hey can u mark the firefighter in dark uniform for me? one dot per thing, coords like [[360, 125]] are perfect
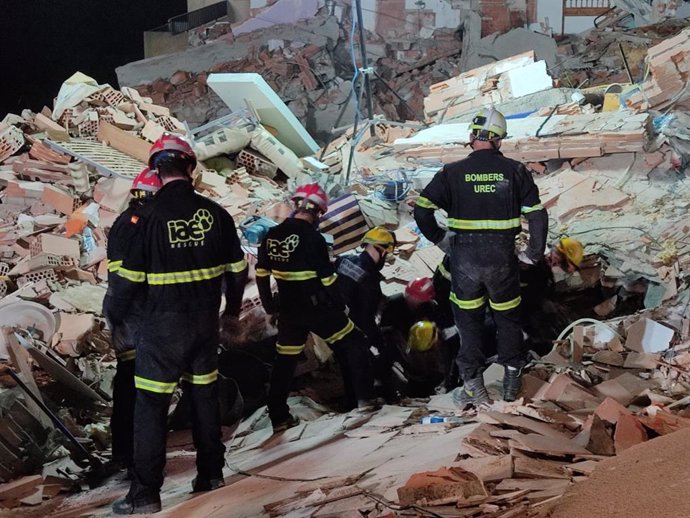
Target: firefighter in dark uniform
[[125, 335], [359, 278], [296, 255], [484, 196], [184, 250], [421, 361]]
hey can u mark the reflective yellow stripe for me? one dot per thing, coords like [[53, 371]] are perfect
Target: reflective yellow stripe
[[533, 208], [327, 281], [505, 306], [154, 386], [444, 273], [294, 276], [426, 203], [236, 267], [484, 224], [114, 266], [262, 272], [127, 355], [131, 275], [467, 304], [202, 274], [289, 350], [200, 379], [341, 334]]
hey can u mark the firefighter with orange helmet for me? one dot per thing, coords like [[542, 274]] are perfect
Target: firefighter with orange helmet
[[183, 251], [296, 255], [124, 335]]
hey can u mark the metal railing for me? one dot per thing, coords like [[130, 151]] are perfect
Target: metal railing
[[192, 19], [585, 7]]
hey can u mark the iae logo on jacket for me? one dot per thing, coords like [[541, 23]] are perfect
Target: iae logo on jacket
[[184, 233], [281, 250]]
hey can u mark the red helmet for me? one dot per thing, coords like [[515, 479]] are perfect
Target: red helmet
[[313, 194], [420, 290], [173, 144], [147, 181]]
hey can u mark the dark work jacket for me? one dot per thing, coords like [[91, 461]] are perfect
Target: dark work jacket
[[360, 285], [183, 249], [296, 255], [485, 193]]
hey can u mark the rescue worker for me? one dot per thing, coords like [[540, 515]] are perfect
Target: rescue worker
[[422, 366], [543, 317], [184, 249], [484, 196], [125, 335], [359, 278], [296, 254]]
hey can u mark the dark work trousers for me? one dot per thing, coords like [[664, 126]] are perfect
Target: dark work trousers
[[484, 269], [122, 420], [124, 337], [176, 346], [338, 331]]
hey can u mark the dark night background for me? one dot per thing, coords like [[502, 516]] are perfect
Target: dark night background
[[43, 42]]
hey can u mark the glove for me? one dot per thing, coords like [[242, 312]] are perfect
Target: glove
[[446, 243]]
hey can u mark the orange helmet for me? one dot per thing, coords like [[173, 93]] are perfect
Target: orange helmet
[[169, 145], [420, 290], [147, 181], [309, 196]]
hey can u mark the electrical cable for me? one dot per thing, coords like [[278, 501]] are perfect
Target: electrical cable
[[572, 325]]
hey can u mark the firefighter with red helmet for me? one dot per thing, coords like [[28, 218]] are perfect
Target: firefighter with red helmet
[[183, 251], [422, 366], [124, 335], [296, 255]]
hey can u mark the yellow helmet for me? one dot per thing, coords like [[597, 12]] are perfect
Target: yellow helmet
[[423, 336], [380, 237], [488, 124], [572, 249]]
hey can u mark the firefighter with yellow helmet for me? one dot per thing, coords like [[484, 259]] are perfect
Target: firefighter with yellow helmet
[[360, 286]]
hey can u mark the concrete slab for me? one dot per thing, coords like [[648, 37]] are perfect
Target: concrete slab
[[236, 90]]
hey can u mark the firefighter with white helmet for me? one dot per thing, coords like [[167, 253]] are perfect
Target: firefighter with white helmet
[[485, 196]]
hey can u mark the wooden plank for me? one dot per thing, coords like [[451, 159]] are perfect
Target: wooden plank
[[527, 467], [124, 142], [536, 443]]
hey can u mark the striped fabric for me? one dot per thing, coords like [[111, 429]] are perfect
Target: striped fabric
[[345, 222]]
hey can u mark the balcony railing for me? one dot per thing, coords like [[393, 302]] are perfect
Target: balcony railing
[[586, 7], [188, 21]]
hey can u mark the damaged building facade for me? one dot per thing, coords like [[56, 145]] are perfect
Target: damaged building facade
[[598, 114]]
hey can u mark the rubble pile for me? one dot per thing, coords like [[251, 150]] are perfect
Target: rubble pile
[[610, 165], [310, 66]]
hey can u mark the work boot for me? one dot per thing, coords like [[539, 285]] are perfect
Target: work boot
[[472, 393], [290, 422], [512, 382], [369, 405], [206, 484], [127, 506]]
